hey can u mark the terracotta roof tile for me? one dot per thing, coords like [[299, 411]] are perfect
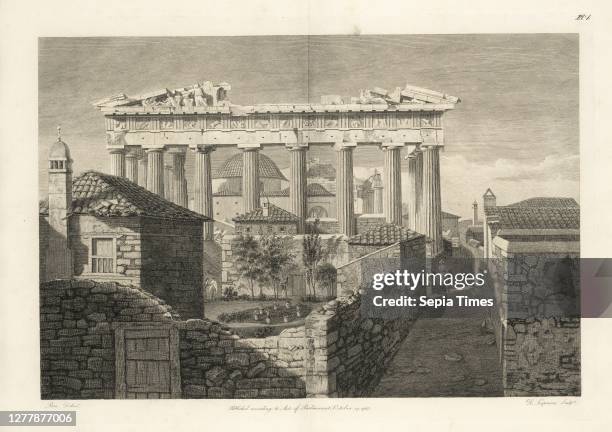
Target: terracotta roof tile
[[506, 217], [275, 215], [101, 194], [384, 235], [559, 202]]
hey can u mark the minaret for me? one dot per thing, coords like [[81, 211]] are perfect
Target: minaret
[[475, 208], [59, 255]]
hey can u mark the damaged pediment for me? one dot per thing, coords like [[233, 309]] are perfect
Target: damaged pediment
[[204, 94], [407, 95]]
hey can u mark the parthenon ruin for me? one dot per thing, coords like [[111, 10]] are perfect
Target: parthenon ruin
[[200, 118]]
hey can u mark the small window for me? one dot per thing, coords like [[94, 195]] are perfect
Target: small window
[[282, 229], [102, 255], [248, 230]]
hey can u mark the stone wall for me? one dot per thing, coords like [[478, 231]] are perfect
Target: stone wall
[[126, 235], [536, 323], [542, 357], [172, 264], [367, 260], [77, 348], [335, 353], [218, 364], [348, 354]]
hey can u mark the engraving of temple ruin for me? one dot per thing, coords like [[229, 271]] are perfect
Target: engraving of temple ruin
[[137, 274]]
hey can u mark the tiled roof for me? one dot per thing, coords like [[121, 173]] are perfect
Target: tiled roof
[[275, 215], [232, 167], [101, 194], [315, 189], [275, 193], [559, 202], [535, 217], [384, 235], [450, 215]]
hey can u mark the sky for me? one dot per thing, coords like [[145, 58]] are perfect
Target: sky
[[516, 129]]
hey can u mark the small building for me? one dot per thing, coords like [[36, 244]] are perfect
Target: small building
[[267, 219], [450, 225], [107, 228], [383, 236]]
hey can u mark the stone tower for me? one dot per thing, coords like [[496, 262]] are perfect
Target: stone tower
[[59, 255], [475, 208], [489, 199]]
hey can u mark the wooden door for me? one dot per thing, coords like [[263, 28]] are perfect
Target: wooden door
[[147, 363]]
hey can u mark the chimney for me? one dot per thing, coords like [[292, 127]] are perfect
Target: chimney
[[59, 256], [475, 207], [265, 209]]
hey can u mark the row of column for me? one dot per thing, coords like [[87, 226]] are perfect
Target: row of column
[[424, 205]]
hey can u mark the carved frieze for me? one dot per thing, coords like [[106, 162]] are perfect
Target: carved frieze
[[238, 123], [261, 122], [214, 122], [331, 121], [142, 124], [285, 122], [190, 122], [309, 121], [166, 123]]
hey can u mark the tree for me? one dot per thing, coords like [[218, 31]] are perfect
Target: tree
[[326, 276], [248, 261], [312, 254], [276, 259]]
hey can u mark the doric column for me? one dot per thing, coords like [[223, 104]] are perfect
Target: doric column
[[392, 197], [418, 195], [142, 169], [412, 191], [117, 162], [250, 178], [179, 183], [155, 171], [378, 199], [297, 184], [344, 188], [131, 166], [432, 206], [203, 198], [168, 194]]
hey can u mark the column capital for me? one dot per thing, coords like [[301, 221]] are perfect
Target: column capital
[[116, 150], [205, 148], [249, 146], [132, 154], [155, 150], [344, 146], [392, 145], [296, 147]]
